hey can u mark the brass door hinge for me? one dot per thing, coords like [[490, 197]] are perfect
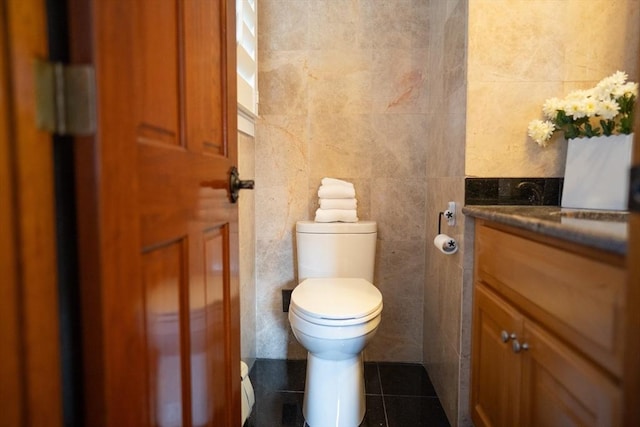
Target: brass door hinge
[[65, 98]]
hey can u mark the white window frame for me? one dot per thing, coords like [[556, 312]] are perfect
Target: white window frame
[[247, 64]]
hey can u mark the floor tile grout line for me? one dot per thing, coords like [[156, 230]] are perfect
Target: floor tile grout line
[[384, 406], [411, 395]]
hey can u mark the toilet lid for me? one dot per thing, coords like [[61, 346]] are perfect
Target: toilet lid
[[336, 298]]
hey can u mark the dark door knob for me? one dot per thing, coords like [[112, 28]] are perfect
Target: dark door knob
[[236, 184]]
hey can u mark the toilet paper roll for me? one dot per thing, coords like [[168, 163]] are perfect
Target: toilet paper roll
[[445, 244]]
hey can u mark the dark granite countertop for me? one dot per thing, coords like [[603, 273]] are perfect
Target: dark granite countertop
[[602, 230]]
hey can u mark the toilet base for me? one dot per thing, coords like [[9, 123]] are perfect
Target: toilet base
[[334, 392]]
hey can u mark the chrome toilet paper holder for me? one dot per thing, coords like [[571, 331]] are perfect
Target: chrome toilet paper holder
[[446, 244], [450, 214]]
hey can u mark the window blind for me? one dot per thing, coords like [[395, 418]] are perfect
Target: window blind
[[246, 20]]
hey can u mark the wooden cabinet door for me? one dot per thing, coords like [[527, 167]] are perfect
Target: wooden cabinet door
[[495, 368], [159, 235], [562, 389]]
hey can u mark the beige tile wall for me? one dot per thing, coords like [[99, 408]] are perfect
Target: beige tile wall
[[522, 52], [443, 284], [343, 94], [247, 261]]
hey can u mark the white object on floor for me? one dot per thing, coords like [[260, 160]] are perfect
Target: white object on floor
[[248, 397]]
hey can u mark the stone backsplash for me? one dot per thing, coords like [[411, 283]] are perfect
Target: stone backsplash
[[513, 191]]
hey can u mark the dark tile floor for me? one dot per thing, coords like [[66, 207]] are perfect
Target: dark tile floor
[[397, 394]]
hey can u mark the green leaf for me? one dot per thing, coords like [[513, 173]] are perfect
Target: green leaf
[[571, 132], [626, 124], [590, 131], [607, 126]]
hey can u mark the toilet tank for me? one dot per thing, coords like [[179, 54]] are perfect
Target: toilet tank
[[336, 249]]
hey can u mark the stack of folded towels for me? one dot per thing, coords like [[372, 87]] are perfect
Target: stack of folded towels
[[337, 201]]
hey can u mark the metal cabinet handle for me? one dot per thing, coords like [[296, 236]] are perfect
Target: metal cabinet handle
[[517, 347], [506, 336]]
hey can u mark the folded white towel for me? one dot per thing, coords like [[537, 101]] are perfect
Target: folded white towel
[[336, 215], [335, 191], [334, 181], [338, 204]]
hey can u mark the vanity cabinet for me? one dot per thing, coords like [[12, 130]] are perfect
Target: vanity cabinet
[[547, 331]]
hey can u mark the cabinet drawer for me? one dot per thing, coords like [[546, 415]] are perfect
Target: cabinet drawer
[[579, 299]]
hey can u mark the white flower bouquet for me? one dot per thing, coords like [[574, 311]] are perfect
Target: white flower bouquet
[[606, 109]]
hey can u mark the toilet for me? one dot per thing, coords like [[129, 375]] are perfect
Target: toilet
[[334, 313]]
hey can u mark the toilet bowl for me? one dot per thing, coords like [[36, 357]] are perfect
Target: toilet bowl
[[334, 319]]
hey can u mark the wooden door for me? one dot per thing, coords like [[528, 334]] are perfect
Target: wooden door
[[30, 378], [158, 233], [495, 368], [562, 389]]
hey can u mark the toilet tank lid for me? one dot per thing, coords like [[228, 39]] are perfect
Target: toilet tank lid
[[360, 227]]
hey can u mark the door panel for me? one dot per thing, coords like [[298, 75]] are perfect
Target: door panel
[[216, 286], [157, 72], [164, 280], [202, 42]]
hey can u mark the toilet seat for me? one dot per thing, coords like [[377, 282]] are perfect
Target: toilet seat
[[336, 301]]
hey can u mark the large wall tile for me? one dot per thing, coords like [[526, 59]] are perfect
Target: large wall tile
[[339, 81], [400, 147], [600, 37], [333, 24], [386, 24], [399, 81], [283, 25], [516, 40], [283, 83], [398, 205], [340, 145]]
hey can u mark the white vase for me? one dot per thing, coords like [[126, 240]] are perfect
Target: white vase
[[597, 173]]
